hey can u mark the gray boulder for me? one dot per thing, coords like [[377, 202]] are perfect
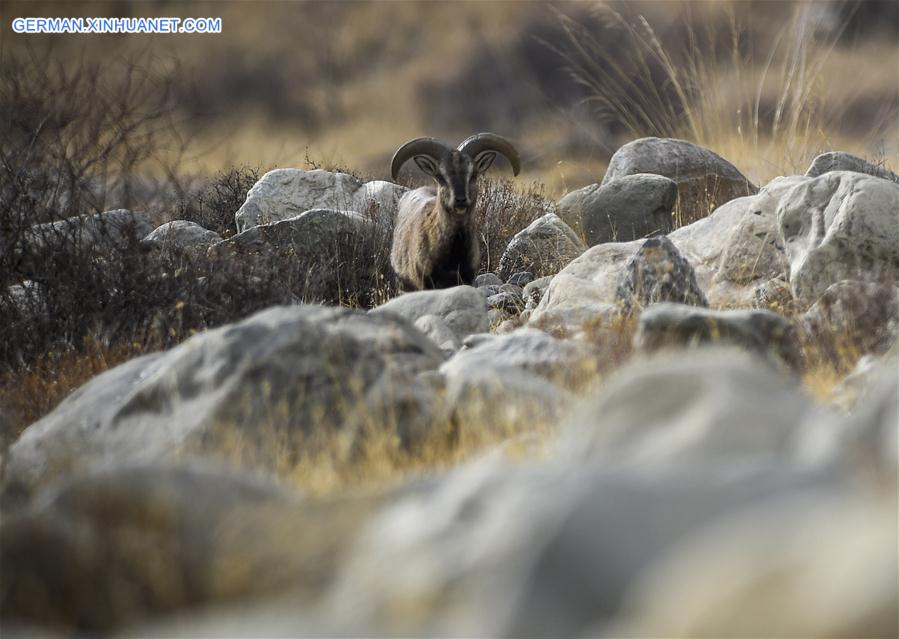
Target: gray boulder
[[439, 331], [263, 387], [506, 301], [801, 566], [678, 326], [840, 161], [841, 225], [585, 290], [462, 308], [520, 279], [543, 248], [852, 319], [180, 235], [107, 549], [94, 232], [737, 247], [718, 405], [487, 279], [704, 180], [657, 272], [321, 249], [624, 209], [286, 193], [563, 362]]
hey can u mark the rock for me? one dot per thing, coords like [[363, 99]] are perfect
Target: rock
[[259, 388], [180, 235], [507, 302], [513, 289], [440, 333], [462, 308], [611, 528], [533, 291], [94, 232], [571, 207], [584, 290], [704, 180], [774, 295], [803, 566], [852, 319], [521, 279], [323, 248], [628, 208], [841, 225], [543, 248], [497, 316], [504, 401], [717, 406], [487, 279], [489, 290], [110, 548], [738, 246], [840, 161], [658, 273], [868, 441], [679, 326], [284, 194], [560, 361]]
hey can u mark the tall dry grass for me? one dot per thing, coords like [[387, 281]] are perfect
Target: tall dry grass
[[768, 102]]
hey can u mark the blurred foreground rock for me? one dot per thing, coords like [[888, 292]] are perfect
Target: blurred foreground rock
[[251, 388]]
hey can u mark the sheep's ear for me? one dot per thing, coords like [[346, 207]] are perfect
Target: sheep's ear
[[484, 160], [426, 164]]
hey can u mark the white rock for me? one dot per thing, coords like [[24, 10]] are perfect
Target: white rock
[[462, 308], [286, 193], [841, 225]]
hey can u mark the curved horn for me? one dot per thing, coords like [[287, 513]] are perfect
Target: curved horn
[[480, 142], [431, 147]]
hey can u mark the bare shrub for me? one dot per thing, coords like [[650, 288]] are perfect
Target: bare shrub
[[502, 211], [215, 206]]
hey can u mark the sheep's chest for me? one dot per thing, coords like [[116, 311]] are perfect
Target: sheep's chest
[[452, 260]]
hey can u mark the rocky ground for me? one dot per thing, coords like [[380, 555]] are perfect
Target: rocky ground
[[634, 384]]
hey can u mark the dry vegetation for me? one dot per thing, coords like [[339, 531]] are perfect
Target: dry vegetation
[[183, 131]]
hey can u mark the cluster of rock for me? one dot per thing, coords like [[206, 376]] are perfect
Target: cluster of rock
[[696, 494]]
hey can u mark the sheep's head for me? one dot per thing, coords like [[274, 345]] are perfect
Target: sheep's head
[[456, 170]]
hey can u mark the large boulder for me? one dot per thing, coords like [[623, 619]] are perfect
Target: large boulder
[[84, 234], [560, 361], [545, 247], [318, 251], [282, 194], [584, 290], [841, 225], [657, 272], [628, 208], [802, 566], [462, 308], [258, 389], [718, 405], [704, 180], [852, 319], [738, 247], [840, 161], [180, 235], [679, 326], [110, 548]]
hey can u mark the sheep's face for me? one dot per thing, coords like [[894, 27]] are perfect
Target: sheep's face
[[456, 176]]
